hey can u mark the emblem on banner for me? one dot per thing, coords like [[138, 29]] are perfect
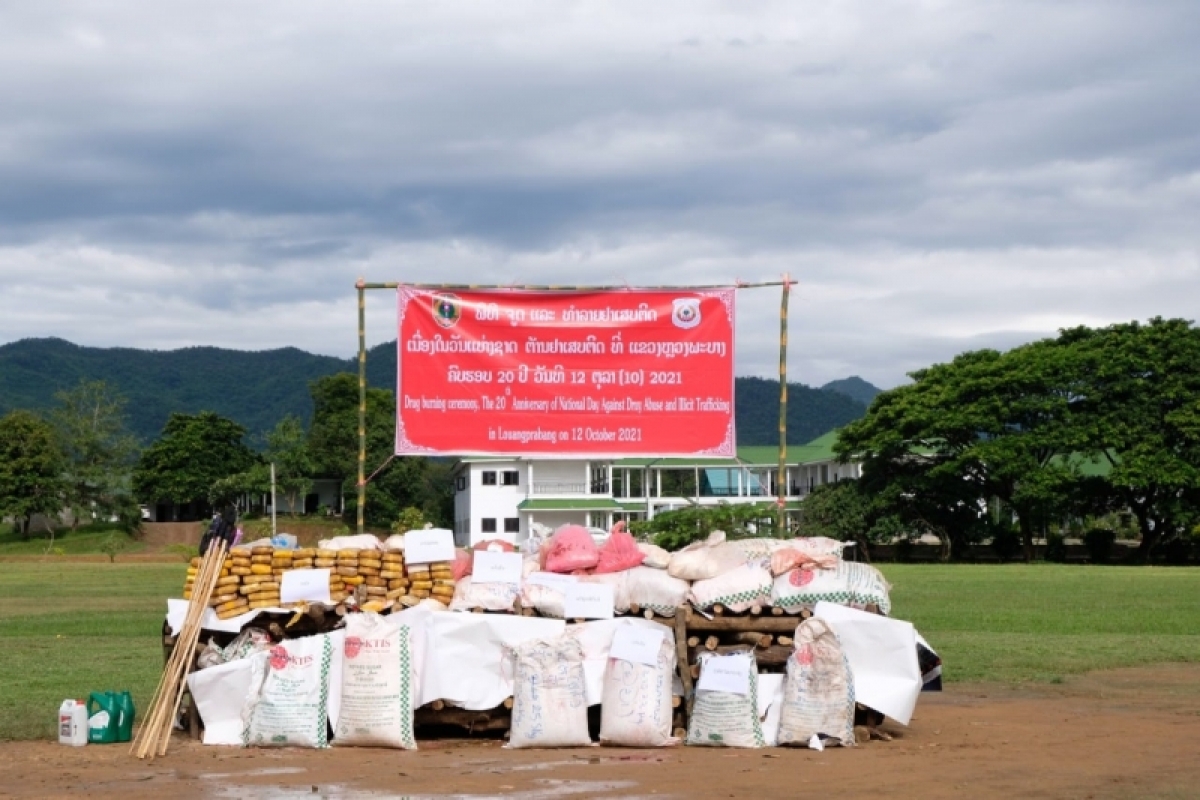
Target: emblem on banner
[[447, 310], [686, 312]]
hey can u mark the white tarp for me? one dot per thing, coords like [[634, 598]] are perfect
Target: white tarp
[[883, 658], [469, 667], [220, 694]]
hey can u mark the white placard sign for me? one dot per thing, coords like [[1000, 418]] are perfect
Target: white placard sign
[[300, 585], [491, 567], [725, 674], [422, 547], [587, 600], [637, 644], [551, 579]]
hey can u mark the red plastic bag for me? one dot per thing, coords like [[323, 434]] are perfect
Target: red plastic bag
[[620, 552], [571, 549]]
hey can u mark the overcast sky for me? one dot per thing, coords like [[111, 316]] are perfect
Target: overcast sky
[[937, 176]]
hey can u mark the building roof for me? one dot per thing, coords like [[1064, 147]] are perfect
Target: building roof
[[572, 504]]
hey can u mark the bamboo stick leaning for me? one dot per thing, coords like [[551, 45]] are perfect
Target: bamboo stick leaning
[[155, 732]]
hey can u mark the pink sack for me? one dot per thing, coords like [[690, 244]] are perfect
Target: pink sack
[[571, 549], [464, 562], [495, 545], [620, 552]]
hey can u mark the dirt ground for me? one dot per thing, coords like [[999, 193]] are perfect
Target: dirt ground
[[1122, 734]]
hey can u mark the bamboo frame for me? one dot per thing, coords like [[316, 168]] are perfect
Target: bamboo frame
[[361, 285]]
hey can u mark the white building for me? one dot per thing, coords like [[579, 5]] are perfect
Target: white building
[[501, 498]]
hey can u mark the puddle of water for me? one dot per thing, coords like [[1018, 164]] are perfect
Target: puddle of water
[[549, 790], [254, 772], [499, 765]]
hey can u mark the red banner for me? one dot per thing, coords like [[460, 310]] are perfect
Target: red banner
[[611, 373]]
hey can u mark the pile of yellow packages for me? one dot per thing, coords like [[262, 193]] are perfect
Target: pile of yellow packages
[[251, 576]]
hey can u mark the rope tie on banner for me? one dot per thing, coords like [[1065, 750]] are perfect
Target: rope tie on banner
[[382, 467]]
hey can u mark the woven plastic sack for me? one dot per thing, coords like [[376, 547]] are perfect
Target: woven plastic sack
[[655, 556], [378, 684], [358, 541], [571, 549], [488, 595], [818, 695], [636, 708], [549, 694], [620, 552], [726, 719], [851, 584], [703, 560], [291, 708], [737, 590], [655, 589]]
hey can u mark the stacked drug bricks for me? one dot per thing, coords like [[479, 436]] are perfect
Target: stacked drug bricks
[[251, 576]]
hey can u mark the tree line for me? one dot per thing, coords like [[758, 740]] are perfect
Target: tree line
[[81, 456], [1036, 442]]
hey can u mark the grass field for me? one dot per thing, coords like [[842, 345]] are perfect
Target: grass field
[[67, 628], [88, 539]]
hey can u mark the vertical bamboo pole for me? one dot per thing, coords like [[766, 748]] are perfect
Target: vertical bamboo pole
[[362, 401], [781, 478]]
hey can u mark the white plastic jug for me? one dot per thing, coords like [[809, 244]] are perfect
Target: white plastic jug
[[73, 723]]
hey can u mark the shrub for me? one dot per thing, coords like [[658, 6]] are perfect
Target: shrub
[[113, 545], [1006, 542], [1099, 544], [1056, 548]]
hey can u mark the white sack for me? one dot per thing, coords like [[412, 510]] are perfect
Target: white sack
[[378, 684], [818, 696], [737, 590], [549, 698], [708, 559], [359, 541], [636, 709], [656, 557], [488, 595], [291, 708], [655, 589], [726, 719]]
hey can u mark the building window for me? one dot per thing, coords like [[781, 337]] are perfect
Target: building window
[[512, 524], [489, 477], [488, 524], [510, 477], [461, 484]]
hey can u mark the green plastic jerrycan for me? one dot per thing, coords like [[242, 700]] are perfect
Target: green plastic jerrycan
[[102, 718], [125, 714]]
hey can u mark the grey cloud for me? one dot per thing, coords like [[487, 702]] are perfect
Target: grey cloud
[[936, 176]]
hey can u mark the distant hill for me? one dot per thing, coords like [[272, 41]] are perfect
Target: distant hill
[[855, 388], [258, 388]]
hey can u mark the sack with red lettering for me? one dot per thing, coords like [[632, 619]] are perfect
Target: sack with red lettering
[[571, 549], [291, 706], [377, 684], [620, 552], [549, 694]]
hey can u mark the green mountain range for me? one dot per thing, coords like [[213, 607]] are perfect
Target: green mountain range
[[258, 388]]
